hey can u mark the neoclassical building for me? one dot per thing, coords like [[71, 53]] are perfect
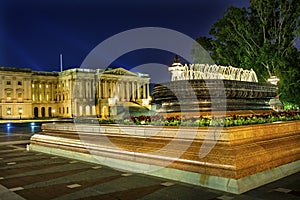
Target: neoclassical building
[[75, 92]]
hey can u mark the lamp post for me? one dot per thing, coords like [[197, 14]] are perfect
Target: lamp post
[[275, 102], [20, 113], [145, 102], [111, 102], [273, 80], [53, 112]]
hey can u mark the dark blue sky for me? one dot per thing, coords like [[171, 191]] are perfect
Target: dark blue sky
[[34, 33]]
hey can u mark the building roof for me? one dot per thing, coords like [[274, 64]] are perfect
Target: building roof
[[15, 69]]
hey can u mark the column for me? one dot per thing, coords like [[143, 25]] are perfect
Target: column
[[138, 90], [123, 90], [44, 91], [86, 83], [99, 89], [71, 92], [127, 91], [111, 89], [148, 91], [88, 89], [39, 91], [119, 90], [144, 90], [52, 92], [102, 89], [92, 89], [79, 86], [105, 89], [133, 91], [27, 89]]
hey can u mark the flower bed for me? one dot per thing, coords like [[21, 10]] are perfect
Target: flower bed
[[202, 121]]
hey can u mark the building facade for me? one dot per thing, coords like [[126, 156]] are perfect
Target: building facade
[[75, 92]]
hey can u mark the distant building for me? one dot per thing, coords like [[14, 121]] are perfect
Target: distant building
[[75, 92]]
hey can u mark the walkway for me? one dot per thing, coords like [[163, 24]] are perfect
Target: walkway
[[32, 175]]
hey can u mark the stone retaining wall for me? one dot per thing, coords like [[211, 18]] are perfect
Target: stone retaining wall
[[242, 157]]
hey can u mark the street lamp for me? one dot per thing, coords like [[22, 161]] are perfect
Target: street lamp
[[275, 103], [273, 80], [145, 102], [111, 102], [20, 113]]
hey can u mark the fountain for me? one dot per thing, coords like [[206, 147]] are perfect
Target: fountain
[[232, 89], [232, 159]]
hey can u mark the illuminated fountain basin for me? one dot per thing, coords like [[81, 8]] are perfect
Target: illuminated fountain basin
[[236, 95], [197, 86]]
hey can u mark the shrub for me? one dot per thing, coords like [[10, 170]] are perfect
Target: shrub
[[233, 120]]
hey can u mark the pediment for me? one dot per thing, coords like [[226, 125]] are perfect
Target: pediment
[[120, 71]]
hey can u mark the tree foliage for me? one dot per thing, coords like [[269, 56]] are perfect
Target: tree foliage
[[260, 37]]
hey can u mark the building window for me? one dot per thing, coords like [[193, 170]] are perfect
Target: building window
[[32, 85], [8, 82], [19, 82], [67, 110], [19, 95], [8, 111], [8, 96]]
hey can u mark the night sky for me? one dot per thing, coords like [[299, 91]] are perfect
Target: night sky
[[34, 33]]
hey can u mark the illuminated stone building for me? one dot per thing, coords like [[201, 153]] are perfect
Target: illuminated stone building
[[75, 92]]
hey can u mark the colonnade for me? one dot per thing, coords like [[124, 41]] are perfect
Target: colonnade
[[123, 90], [43, 90]]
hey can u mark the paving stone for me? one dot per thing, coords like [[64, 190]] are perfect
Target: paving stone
[[126, 174], [89, 183], [97, 167], [284, 190], [16, 189], [225, 197], [167, 184], [73, 186]]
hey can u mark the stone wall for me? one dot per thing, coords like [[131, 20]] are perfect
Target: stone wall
[[242, 157]]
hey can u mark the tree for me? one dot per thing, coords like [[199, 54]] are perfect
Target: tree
[[260, 37]]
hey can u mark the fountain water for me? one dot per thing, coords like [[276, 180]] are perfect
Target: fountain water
[[205, 71], [241, 90]]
